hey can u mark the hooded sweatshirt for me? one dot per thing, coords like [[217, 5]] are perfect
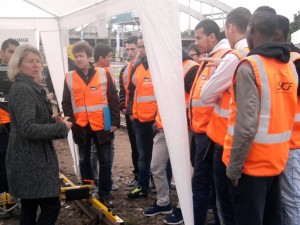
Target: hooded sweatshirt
[[248, 105]]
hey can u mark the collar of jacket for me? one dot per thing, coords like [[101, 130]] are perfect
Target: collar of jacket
[[30, 81], [279, 51]]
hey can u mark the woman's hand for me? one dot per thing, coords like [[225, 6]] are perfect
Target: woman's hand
[[113, 128], [58, 117], [68, 123]]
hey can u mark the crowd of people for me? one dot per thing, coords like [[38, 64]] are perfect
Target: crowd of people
[[241, 94]]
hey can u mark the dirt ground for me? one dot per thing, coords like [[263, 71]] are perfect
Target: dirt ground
[[131, 211]]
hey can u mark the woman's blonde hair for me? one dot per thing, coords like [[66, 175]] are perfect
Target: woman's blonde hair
[[16, 59]]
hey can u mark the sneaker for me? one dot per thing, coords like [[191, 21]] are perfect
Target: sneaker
[[137, 193], [3, 213], [132, 185], [107, 201], [114, 187], [176, 217], [156, 209]]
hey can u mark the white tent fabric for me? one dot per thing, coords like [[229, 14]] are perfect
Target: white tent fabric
[[160, 24], [52, 19], [296, 37], [162, 38]]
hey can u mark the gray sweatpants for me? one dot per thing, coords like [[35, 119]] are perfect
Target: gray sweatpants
[[160, 157]]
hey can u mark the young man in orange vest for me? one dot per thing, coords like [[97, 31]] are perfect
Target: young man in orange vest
[[208, 42], [264, 99], [90, 99], [160, 155], [102, 58], [132, 51], [7, 49], [142, 108], [217, 91], [290, 195]]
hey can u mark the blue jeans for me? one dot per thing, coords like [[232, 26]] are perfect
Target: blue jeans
[[104, 158], [290, 189], [144, 142], [224, 202], [202, 180], [134, 151]]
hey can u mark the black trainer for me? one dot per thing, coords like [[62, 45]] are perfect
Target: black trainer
[[176, 217], [156, 209]]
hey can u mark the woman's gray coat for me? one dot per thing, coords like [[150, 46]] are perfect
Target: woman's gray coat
[[31, 160]]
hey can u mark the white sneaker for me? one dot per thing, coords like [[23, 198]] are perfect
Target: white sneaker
[[3, 213], [132, 185], [114, 187]]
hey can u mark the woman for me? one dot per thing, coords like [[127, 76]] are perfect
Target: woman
[[31, 161]]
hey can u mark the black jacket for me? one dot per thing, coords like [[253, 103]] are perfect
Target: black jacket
[[31, 160], [79, 133]]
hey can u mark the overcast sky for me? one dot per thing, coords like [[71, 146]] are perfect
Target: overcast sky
[[283, 7]]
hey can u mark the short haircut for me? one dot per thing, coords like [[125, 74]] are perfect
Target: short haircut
[[132, 40], [283, 24], [193, 47], [7, 42], [101, 50], [82, 46], [222, 35], [18, 57], [240, 17], [264, 21], [209, 27]]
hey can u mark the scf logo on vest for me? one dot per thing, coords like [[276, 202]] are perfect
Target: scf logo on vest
[[283, 84]]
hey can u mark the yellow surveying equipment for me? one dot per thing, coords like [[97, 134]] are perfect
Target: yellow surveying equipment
[[72, 192]]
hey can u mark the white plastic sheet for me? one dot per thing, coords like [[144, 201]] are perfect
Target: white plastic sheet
[[57, 63], [161, 34]]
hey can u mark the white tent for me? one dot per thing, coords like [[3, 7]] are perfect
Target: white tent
[[295, 39], [52, 20]]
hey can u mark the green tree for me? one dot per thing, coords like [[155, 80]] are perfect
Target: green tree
[[295, 25]]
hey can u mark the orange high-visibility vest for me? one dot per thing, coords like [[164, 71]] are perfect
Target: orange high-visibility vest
[[187, 65], [295, 137], [198, 112], [4, 117], [126, 77], [277, 87], [217, 126], [88, 101], [144, 105], [107, 69]]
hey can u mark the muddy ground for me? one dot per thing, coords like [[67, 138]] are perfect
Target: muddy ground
[[131, 211]]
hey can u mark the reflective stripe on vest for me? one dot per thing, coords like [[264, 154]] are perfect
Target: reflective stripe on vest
[[211, 71], [218, 109], [102, 75], [144, 106], [294, 56], [200, 113], [297, 118], [145, 99], [262, 135]]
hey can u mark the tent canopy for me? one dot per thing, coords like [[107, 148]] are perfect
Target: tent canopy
[[44, 15], [52, 19]]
